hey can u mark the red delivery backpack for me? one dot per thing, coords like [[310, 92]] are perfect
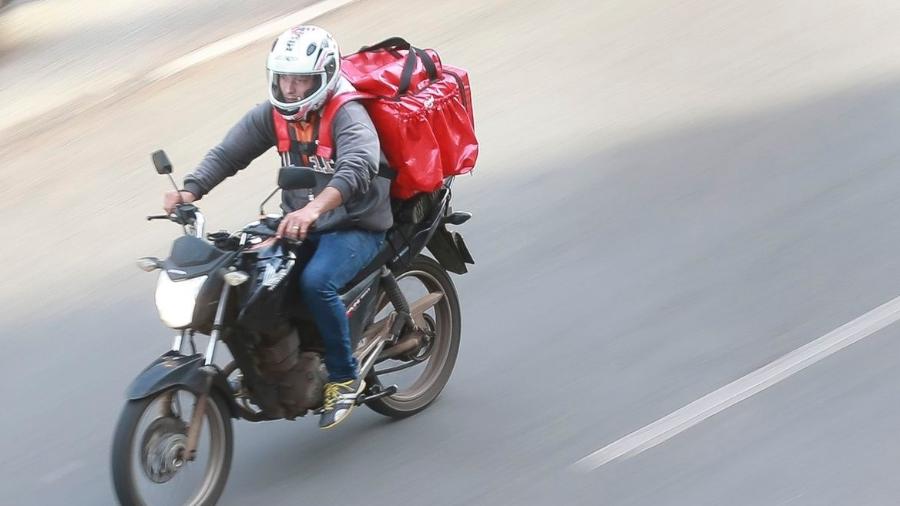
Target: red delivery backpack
[[421, 108]]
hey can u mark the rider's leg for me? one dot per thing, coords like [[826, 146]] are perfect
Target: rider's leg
[[338, 257]]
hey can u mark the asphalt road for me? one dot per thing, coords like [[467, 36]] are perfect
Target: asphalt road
[[671, 195], [54, 50]]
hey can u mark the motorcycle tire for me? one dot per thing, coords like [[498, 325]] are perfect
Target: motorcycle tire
[[125, 468], [445, 346]]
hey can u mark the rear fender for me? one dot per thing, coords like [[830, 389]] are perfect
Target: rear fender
[[450, 250]]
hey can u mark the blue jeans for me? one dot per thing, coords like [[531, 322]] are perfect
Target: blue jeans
[[338, 256]]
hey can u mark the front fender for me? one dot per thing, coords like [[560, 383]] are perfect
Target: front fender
[[170, 370], [176, 370]]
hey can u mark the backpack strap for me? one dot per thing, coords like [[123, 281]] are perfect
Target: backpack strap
[[324, 144], [325, 148], [281, 132], [303, 140]]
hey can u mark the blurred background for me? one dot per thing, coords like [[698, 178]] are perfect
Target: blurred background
[[670, 195]]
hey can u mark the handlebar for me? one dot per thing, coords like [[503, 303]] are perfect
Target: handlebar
[[186, 215], [268, 227]]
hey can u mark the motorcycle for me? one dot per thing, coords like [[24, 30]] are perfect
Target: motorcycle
[[240, 289]]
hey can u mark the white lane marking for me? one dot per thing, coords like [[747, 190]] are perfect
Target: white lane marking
[[738, 390], [245, 38], [62, 472]]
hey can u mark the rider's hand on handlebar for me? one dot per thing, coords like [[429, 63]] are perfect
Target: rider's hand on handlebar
[[295, 225], [172, 198]]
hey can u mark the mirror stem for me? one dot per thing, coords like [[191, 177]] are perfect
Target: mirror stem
[[174, 185], [262, 212]]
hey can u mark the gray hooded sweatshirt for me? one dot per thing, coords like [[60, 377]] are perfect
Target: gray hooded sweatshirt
[[365, 194]]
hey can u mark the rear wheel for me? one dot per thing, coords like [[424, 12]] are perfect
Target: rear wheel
[[148, 461], [421, 374]]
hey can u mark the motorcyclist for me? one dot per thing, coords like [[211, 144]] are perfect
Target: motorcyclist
[[349, 206]]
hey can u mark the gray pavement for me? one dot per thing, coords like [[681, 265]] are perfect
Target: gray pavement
[[701, 202], [825, 436], [54, 51]]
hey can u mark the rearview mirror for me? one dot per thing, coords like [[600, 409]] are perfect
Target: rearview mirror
[[296, 178], [161, 162]]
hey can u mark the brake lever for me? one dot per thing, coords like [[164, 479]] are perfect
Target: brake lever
[[174, 218]]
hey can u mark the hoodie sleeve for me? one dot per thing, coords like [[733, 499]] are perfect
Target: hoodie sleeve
[[357, 151], [252, 136]]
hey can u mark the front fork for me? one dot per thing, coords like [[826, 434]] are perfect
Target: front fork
[[209, 370]]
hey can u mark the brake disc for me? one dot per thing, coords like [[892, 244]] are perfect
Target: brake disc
[[162, 448]]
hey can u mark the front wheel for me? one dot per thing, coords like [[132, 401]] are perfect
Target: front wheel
[[149, 464], [420, 376]]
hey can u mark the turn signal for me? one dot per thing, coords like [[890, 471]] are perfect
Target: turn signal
[[148, 264]]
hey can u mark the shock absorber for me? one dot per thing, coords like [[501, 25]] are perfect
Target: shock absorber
[[392, 289]]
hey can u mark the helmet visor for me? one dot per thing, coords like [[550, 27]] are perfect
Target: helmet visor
[[292, 90]]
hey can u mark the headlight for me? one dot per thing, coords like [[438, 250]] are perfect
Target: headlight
[[175, 300]]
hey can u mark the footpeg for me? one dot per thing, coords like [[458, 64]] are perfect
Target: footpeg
[[376, 392]]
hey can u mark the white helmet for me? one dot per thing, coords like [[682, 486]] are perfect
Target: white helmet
[[310, 54]]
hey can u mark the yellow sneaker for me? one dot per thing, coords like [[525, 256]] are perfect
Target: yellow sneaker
[[340, 399]]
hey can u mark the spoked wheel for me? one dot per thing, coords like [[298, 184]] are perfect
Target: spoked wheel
[[422, 373], [149, 463]]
